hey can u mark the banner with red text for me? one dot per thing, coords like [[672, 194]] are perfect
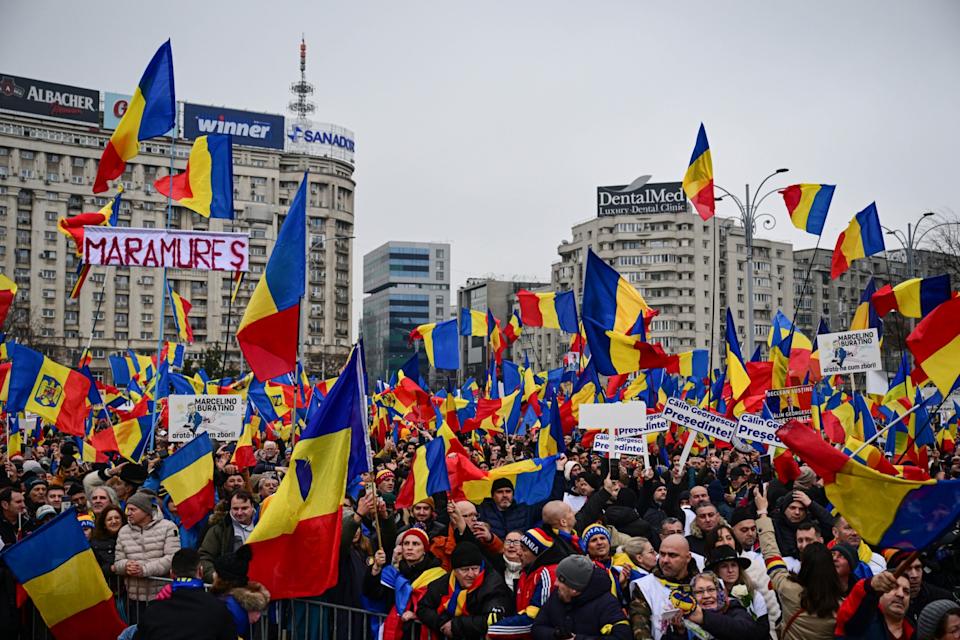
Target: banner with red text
[[202, 250]]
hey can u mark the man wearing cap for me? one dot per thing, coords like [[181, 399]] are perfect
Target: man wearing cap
[[921, 593], [651, 594], [145, 548], [502, 512], [539, 559], [424, 517], [744, 526], [595, 543], [132, 475], [467, 601], [581, 605]]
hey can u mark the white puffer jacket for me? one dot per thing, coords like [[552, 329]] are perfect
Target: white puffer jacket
[[153, 547]]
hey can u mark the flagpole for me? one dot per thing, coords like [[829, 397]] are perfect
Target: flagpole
[[226, 333], [164, 293], [713, 315], [96, 317], [361, 387], [885, 429]]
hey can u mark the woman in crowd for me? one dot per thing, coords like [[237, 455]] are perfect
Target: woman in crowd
[[939, 620], [711, 610], [245, 599], [512, 558], [732, 571], [103, 540]]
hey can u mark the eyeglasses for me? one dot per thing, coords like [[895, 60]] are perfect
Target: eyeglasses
[[709, 591], [511, 543]]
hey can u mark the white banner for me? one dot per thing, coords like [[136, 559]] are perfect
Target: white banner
[[202, 250], [849, 352], [614, 415], [219, 416], [699, 420], [756, 428], [625, 446], [655, 424]]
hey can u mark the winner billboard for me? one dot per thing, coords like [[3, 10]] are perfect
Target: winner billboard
[[246, 127], [666, 197]]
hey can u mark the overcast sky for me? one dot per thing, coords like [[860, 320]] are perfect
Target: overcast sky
[[489, 124]]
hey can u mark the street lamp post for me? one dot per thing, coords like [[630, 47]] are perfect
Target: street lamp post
[[749, 218], [910, 241]]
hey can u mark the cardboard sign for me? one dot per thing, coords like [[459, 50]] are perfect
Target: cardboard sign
[[202, 250], [792, 403], [756, 428], [849, 352], [699, 420], [625, 446], [219, 416]]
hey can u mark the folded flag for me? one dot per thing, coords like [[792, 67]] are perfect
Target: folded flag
[[441, 342], [863, 237], [269, 329], [935, 345], [243, 457], [554, 310], [54, 392], [8, 290], [187, 475], [513, 329], [473, 323], [698, 181], [808, 205], [887, 511], [181, 309], [206, 187], [152, 112], [62, 577], [913, 298]]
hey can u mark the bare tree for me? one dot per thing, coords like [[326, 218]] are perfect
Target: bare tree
[[940, 251]]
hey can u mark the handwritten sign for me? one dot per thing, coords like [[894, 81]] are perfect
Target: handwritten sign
[[201, 250]]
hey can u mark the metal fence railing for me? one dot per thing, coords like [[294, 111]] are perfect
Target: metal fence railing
[[296, 619]]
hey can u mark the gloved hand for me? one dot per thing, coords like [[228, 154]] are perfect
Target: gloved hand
[[682, 601]]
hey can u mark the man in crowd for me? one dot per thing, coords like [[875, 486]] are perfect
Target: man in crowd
[[268, 457], [706, 519], [843, 533], [651, 600], [794, 508], [228, 531], [14, 523], [922, 592], [876, 608]]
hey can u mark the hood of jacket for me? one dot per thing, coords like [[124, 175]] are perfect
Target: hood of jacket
[[599, 584], [252, 597]]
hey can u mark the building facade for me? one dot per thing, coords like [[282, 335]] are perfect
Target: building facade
[[47, 168], [406, 284]]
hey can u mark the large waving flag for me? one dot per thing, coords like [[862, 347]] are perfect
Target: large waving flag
[[808, 205], [913, 298], [297, 540], [862, 238], [532, 480], [207, 185], [54, 392], [59, 572], [187, 475], [269, 330], [428, 474], [935, 344], [8, 290], [128, 438], [181, 310], [473, 323], [152, 112], [441, 342], [690, 364], [885, 510], [698, 181], [496, 414], [549, 310], [74, 228], [736, 369]]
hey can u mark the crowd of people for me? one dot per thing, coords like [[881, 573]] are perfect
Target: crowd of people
[[719, 548]]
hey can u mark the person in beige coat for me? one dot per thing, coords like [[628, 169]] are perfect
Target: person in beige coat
[[809, 601], [145, 548]]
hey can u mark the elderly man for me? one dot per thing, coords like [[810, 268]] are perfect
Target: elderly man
[[876, 608], [651, 593], [268, 457]]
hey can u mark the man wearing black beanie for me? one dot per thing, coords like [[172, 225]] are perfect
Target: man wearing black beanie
[[466, 601]]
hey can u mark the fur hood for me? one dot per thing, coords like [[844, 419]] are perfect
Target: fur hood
[[697, 533], [252, 597]]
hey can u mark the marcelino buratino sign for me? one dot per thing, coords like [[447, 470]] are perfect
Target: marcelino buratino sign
[[665, 197]]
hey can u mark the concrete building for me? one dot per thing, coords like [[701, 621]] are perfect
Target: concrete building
[[47, 167], [669, 258], [407, 284]]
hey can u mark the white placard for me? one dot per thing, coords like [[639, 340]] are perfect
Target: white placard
[[849, 351], [202, 250], [756, 428], [699, 420], [614, 415], [219, 416], [655, 424], [625, 446]]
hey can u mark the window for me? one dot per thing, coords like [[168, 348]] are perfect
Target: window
[[146, 300], [120, 319], [146, 317]]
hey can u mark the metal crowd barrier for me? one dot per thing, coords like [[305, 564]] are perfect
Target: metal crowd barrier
[[296, 619]]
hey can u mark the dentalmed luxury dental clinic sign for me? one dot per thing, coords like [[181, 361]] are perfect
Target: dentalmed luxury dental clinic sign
[[641, 197]]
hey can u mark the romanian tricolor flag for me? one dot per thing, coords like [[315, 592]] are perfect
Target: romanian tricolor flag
[[914, 298], [428, 474], [866, 316], [269, 330], [243, 457], [626, 354], [14, 436], [549, 310], [54, 392], [441, 342], [736, 369], [497, 341], [152, 112], [496, 414], [862, 238], [513, 329], [128, 438], [8, 290], [207, 185], [698, 181], [187, 475], [935, 345], [297, 540], [60, 574], [532, 479], [473, 323], [808, 205], [181, 310], [74, 226], [887, 511], [550, 439], [690, 364]]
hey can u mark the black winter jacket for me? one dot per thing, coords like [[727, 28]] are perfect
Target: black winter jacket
[[492, 596], [595, 613], [190, 614]]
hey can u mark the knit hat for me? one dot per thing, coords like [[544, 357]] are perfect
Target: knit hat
[[596, 529], [385, 474], [428, 500], [575, 572], [894, 557], [536, 540], [568, 467], [233, 567], [806, 479], [849, 553], [740, 514], [466, 554], [931, 616], [418, 533], [33, 482], [44, 511], [501, 483], [141, 501], [32, 466]]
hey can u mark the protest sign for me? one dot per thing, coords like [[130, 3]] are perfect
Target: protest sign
[[849, 351], [756, 428], [203, 250], [220, 416], [792, 403]]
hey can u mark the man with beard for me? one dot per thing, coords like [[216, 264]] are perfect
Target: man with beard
[[674, 570]]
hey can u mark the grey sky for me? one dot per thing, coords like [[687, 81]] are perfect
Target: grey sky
[[490, 124]]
